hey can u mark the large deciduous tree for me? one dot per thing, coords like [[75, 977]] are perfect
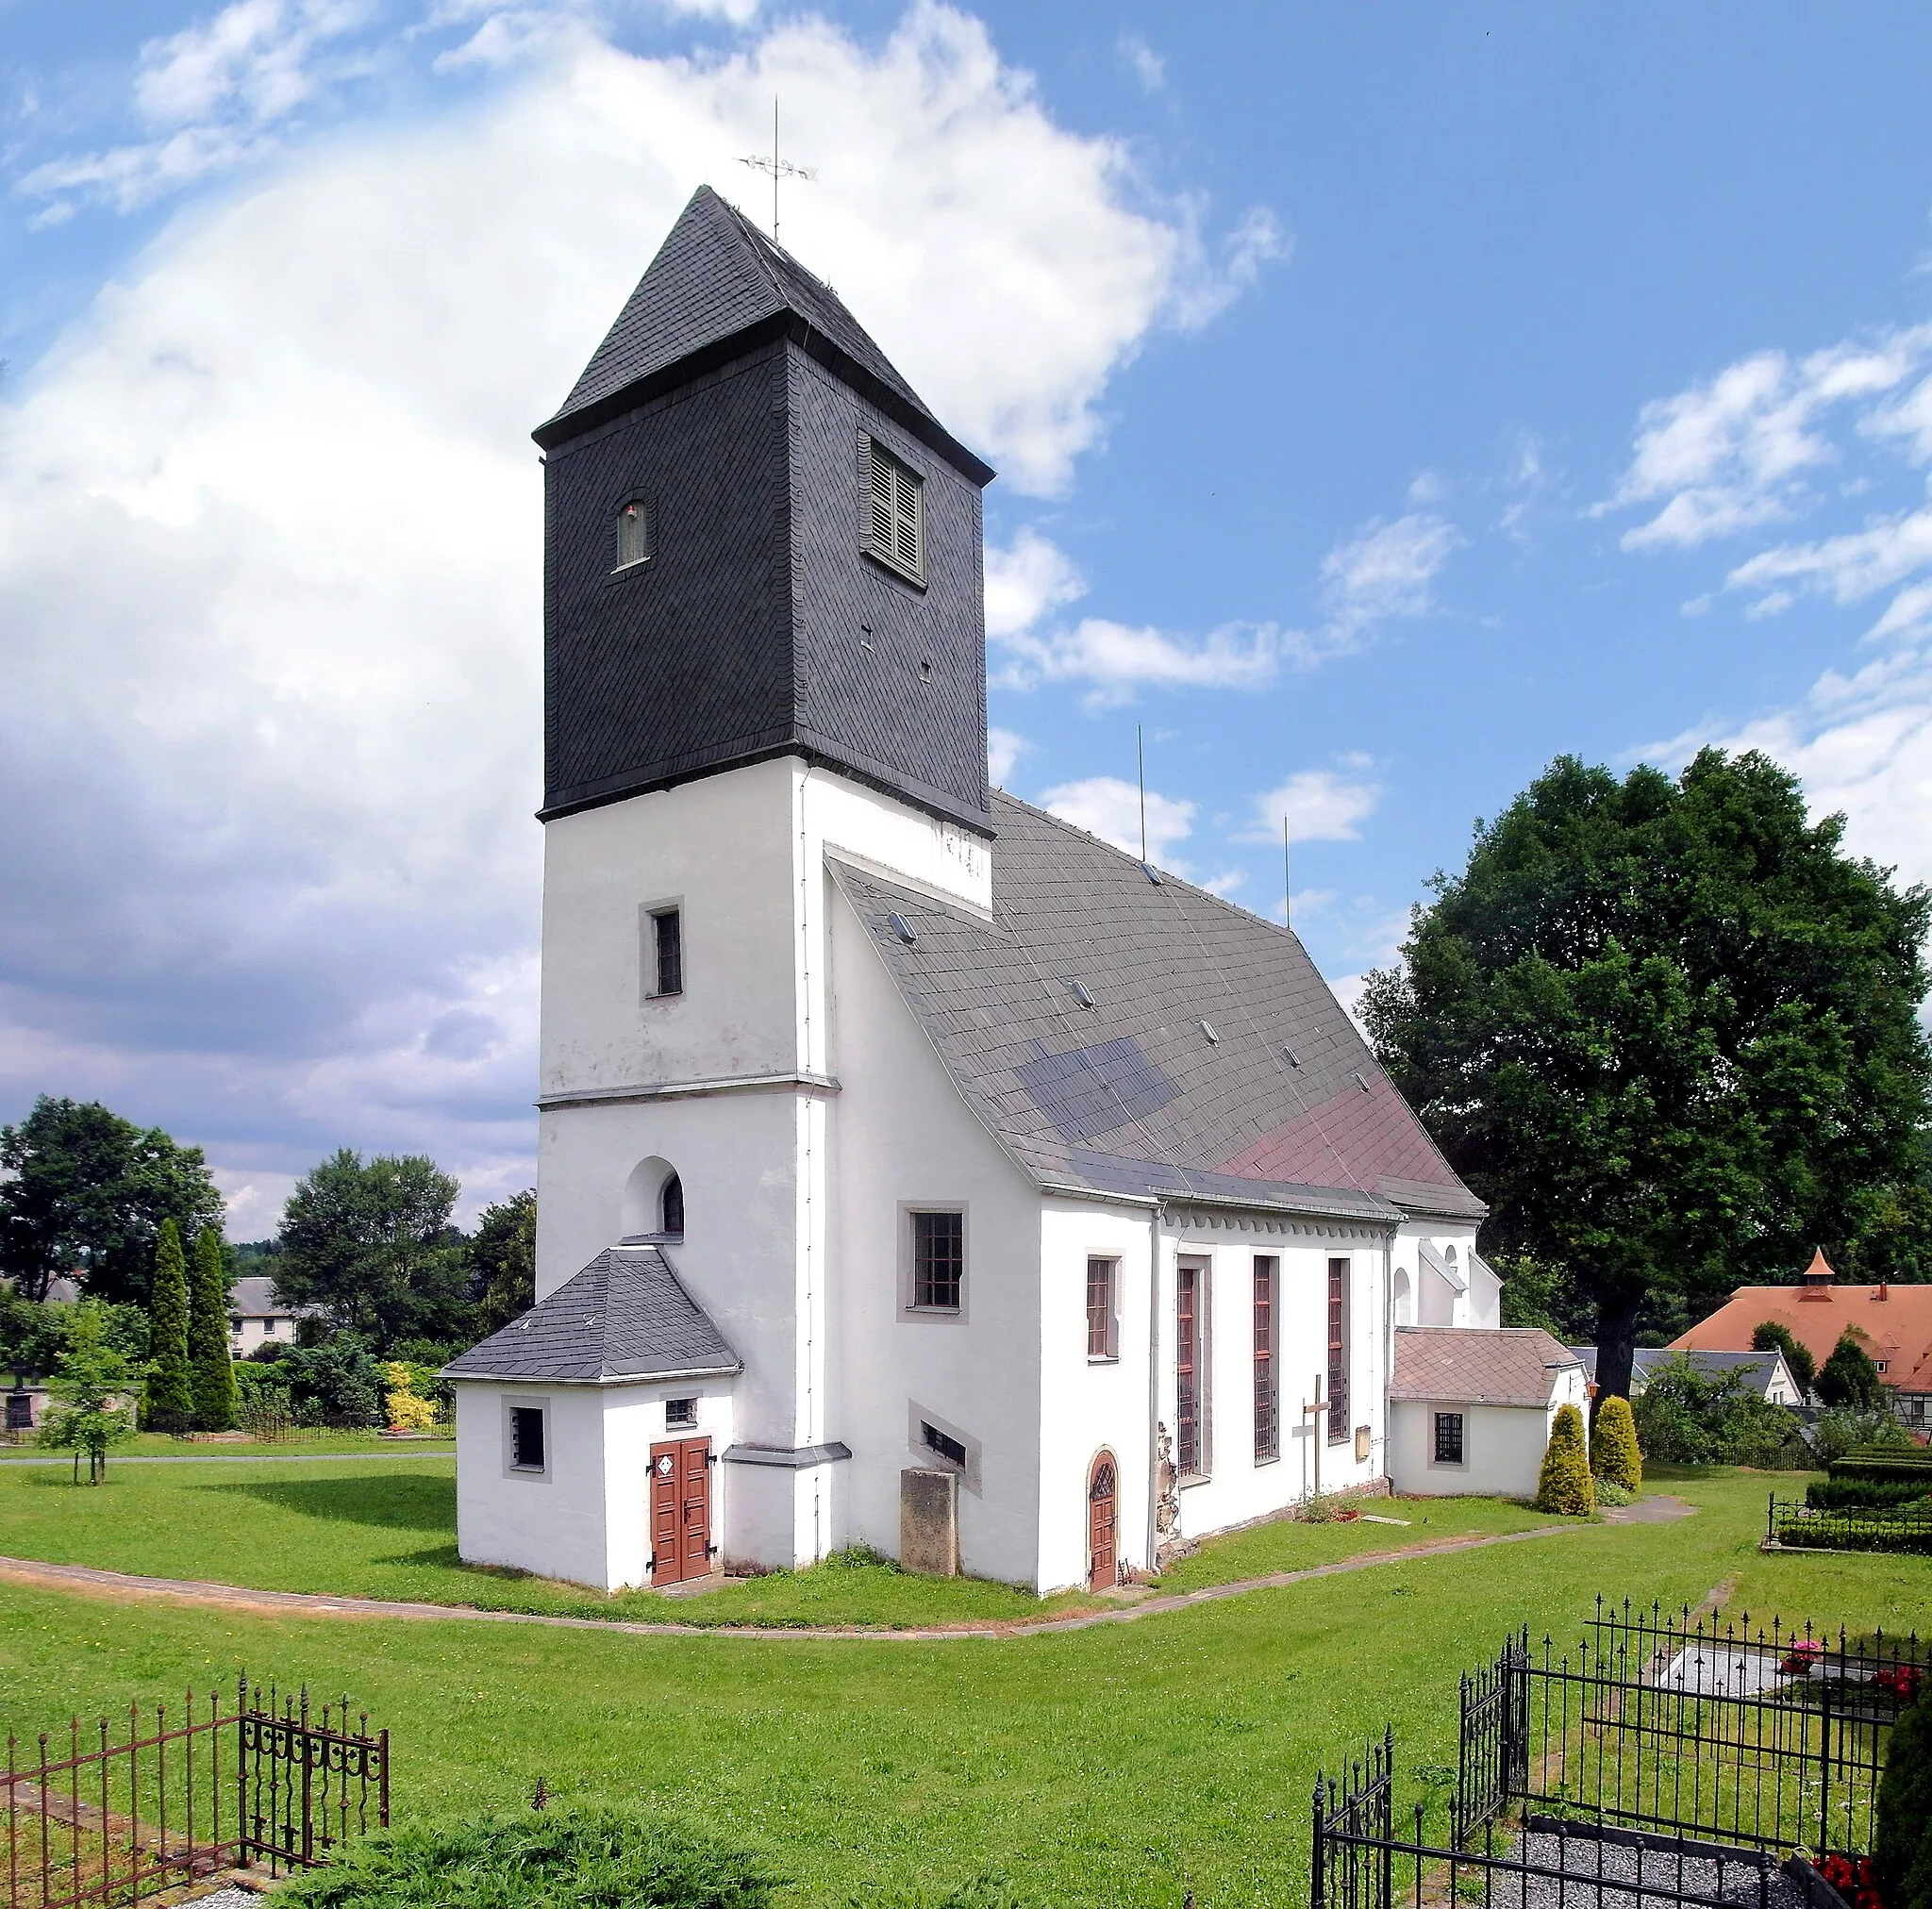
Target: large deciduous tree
[[371, 1245], [88, 1194], [1669, 1030], [504, 1252]]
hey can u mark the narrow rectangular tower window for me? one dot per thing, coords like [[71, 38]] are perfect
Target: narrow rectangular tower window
[[939, 1260], [893, 511], [1267, 1401], [1338, 1350], [1189, 1453], [637, 539], [1100, 1309], [667, 951]]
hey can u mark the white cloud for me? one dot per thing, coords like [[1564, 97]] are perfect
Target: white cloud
[[269, 546], [1148, 68], [1319, 805], [1211, 281], [1386, 571], [1026, 581], [1732, 453], [1225, 883], [1110, 809], [1003, 749], [1118, 659], [1848, 568]]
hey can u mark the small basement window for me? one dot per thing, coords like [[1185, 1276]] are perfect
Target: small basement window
[[636, 534], [526, 1438], [680, 1412], [1449, 1438], [942, 1445], [667, 951], [892, 510]]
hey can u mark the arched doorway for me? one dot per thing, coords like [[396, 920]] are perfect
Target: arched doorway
[[1103, 1571]]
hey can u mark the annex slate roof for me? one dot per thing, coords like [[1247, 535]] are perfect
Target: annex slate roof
[[1477, 1365], [717, 278], [1131, 1095], [627, 1315]]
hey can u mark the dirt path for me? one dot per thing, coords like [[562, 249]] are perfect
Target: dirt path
[[88, 1581]]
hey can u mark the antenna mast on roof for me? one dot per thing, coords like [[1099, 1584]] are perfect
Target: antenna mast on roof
[[1287, 888], [779, 169], [1141, 770]]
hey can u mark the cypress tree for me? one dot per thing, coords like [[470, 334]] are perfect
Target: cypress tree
[[170, 1387], [1613, 1452], [1902, 1818], [1565, 1486], [207, 1335]]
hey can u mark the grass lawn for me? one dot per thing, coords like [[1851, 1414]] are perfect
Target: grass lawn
[[387, 1529], [162, 1445], [1118, 1766]]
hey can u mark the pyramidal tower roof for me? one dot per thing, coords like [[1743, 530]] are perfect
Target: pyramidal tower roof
[[718, 288]]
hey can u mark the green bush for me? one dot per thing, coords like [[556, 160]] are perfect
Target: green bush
[[1565, 1487], [1608, 1492], [1772, 1336], [1614, 1456], [1905, 1536], [557, 1859], [1866, 1494], [1837, 1435], [1686, 1417], [1902, 1818], [1848, 1379]]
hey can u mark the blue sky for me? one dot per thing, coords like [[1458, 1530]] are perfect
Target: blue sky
[[1387, 400]]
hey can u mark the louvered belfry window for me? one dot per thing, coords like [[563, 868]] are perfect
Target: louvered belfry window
[[636, 534], [892, 520]]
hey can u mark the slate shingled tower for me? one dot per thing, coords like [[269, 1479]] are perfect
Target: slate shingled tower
[[729, 409]]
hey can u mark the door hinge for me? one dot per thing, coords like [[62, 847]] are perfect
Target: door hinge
[[710, 1458], [711, 1551]]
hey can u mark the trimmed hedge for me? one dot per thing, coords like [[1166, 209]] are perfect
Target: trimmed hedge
[[1613, 1453], [1909, 1538], [1565, 1486], [1899, 1468], [1870, 1494], [589, 1858]]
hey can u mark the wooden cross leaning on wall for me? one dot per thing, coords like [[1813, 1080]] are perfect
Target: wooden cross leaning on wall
[[1313, 1409]]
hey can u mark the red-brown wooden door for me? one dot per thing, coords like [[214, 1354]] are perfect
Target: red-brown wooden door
[[1102, 1571], [680, 1511]]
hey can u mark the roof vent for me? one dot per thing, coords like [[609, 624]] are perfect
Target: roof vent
[[902, 928], [1289, 1054], [1208, 1028], [1148, 869], [1360, 1079], [1078, 990]]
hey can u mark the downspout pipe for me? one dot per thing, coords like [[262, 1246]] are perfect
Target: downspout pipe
[[1154, 1385]]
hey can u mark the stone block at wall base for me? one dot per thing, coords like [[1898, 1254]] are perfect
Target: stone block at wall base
[[929, 1522]]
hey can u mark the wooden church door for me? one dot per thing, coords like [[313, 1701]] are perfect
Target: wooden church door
[[680, 1511], [1102, 1572]]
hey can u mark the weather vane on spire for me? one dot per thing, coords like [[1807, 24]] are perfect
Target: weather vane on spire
[[779, 169]]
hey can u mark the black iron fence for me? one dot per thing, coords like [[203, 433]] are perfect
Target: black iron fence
[[1665, 1757], [110, 1813]]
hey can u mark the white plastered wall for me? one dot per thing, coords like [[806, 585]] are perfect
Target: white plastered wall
[[1420, 1297], [1238, 1488], [904, 1137], [1503, 1445]]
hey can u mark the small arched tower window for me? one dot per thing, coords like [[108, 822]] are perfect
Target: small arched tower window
[[636, 533], [671, 1207]]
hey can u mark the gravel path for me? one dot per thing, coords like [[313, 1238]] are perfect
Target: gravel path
[[84, 1578], [1618, 1876]]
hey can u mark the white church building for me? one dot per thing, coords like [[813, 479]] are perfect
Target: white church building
[[915, 1170]]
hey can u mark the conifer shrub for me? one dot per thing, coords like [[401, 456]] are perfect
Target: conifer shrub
[[1565, 1487], [1902, 1818], [1848, 1380], [171, 1383], [547, 1859], [1613, 1454], [213, 1372]]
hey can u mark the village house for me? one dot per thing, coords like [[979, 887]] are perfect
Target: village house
[[914, 1169], [1893, 1324]]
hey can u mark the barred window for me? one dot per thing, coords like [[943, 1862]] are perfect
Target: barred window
[[1338, 1350], [893, 509], [1448, 1437], [1267, 1399], [939, 1260], [527, 1437], [667, 951]]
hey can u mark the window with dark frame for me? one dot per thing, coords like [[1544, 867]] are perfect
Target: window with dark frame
[[1186, 1368], [636, 534], [939, 1260], [667, 951], [1448, 1437], [1101, 1343], [527, 1437], [19, 1411], [671, 1207], [893, 518], [943, 1444], [680, 1412], [1338, 1350], [1267, 1399]]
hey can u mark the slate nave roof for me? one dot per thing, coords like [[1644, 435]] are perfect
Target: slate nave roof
[[1285, 1107]]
